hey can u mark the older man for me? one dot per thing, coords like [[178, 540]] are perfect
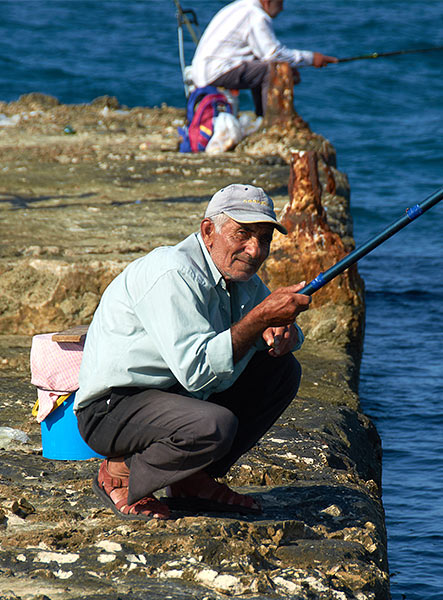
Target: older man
[[188, 362], [238, 46]]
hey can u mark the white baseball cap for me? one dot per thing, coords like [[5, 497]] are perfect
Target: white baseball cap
[[244, 204]]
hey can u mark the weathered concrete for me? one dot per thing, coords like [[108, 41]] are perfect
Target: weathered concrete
[[75, 209]]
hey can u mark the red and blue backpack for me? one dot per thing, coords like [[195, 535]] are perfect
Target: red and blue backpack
[[204, 105]]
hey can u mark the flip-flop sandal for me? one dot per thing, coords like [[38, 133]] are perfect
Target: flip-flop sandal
[[122, 509]]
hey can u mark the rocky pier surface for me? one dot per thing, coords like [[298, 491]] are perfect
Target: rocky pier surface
[[84, 189]]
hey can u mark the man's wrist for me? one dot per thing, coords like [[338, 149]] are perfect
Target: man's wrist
[[245, 332]]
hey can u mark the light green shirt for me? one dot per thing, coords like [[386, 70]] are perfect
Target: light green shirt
[[166, 319]]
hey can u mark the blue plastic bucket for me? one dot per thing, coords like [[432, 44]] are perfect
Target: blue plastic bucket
[[61, 439]]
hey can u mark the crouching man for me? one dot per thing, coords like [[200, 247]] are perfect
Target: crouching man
[[188, 362]]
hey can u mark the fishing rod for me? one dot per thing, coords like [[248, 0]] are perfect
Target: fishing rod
[[343, 264], [383, 54], [189, 19]]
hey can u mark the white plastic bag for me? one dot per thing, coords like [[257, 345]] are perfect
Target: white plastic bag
[[9, 435], [227, 133]]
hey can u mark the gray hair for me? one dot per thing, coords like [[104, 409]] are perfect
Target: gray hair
[[219, 220]]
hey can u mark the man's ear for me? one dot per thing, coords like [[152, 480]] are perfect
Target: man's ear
[[207, 229]]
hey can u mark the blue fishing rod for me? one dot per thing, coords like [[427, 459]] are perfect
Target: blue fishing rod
[[343, 264]]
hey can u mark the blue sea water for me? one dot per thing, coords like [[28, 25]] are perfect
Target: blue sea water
[[385, 119]]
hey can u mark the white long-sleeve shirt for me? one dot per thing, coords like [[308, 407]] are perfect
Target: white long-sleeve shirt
[[241, 31]]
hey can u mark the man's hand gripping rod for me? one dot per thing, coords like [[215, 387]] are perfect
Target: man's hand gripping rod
[[343, 264]]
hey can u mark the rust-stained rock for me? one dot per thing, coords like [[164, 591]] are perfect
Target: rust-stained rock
[[283, 129], [311, 247], [280, 109]]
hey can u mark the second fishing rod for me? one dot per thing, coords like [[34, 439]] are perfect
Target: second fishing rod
[[387, 54]]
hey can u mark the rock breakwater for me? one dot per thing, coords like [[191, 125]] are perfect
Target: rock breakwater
[[76, 208]]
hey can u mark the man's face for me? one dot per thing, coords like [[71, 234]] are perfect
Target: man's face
[[272, 7], [239, 249]]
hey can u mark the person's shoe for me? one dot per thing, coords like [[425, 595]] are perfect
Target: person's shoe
[[113, 491], [201, 493]]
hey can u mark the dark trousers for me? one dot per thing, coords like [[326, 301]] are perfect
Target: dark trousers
[[253, 75], [166, 437]]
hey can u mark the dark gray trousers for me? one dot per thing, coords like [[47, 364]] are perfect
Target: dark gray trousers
[[165, 436], [253, 75]]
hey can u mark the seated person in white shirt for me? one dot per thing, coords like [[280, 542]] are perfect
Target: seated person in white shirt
[[188, 362], [237, 47]]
